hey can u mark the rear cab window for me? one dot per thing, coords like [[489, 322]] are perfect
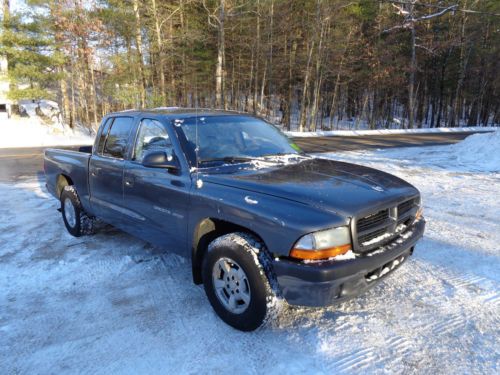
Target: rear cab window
[[103, 134], [116, 140]]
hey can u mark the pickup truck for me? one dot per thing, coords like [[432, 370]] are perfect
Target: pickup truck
[[259, 219]]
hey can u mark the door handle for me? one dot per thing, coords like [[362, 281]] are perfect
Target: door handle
[[95, 172], [129, 182]]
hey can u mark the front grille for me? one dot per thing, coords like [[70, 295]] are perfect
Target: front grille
[[370, 236], [379, 228], [373, 220], [405, 206]]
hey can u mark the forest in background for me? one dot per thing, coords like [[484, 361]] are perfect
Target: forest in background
[[305, 64]]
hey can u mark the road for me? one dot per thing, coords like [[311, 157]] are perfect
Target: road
[[19, 163]]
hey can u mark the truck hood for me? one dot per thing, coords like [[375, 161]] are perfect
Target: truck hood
[[343, 188]]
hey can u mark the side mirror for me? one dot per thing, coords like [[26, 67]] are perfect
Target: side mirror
[[160, 159]]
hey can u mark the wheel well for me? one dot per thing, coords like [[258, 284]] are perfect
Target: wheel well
[[62, 181], [206, 231]]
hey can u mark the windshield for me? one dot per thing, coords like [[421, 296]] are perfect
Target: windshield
[[231, 139]]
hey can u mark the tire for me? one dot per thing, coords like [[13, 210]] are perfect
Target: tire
[[76, 221], [226, 257]]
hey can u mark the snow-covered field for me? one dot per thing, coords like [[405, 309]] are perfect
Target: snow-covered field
[[113, 304]]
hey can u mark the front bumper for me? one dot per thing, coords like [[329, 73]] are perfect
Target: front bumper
[[327, 283]]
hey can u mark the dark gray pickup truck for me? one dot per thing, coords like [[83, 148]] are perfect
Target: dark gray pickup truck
[[258, 218]]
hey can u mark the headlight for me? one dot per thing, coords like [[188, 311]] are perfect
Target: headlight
[[323, 244]]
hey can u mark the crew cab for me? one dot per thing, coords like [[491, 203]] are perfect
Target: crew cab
[[259, 219]]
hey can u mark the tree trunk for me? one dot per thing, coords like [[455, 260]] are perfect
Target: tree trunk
[[333, 107], [220, 68], [463, 66], [305, 89], [159, 46], [413, 68], [257, 57], [140, 56]]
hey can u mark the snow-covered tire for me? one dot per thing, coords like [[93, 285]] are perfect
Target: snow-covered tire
[[76, 220], [240, 250]]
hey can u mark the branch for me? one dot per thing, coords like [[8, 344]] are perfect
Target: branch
[[438, 14], [425, 49], [435, 6], [397, 27], [211, 15], [169, 17], [410, 22], [400, 9]]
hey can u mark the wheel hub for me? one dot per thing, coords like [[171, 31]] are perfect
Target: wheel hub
[[231, 285], [69, 213]]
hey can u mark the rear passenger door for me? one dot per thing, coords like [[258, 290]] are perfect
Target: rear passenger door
[[106, 170], [157, 197]]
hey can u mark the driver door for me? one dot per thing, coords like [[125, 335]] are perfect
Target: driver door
[[158, 198]]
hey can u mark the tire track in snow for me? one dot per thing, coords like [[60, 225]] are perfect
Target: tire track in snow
[[493, 299], [446, 325], [465, 280], [393, 350], [399, 344], [355, 360]]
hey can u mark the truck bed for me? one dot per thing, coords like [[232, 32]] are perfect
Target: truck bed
[[72, 165]]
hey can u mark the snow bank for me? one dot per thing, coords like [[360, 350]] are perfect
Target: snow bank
[[481, 151], [32, 132], [48, 108], [477, 153], [352, 133]]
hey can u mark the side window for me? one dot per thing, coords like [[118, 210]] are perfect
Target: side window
[[103, 135], [116, 142], [152, 136]]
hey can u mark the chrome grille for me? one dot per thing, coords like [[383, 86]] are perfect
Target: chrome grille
[[386, 224]]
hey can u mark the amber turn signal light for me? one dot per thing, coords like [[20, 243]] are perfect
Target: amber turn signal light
[[419, 213], [320, 254]]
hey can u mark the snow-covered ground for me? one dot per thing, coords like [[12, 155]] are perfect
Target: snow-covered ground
[[113, 304], [34, 131]]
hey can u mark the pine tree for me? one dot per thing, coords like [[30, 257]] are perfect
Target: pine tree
[[31, 54]]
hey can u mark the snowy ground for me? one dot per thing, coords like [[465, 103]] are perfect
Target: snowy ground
[[113, 304], [35, 131]]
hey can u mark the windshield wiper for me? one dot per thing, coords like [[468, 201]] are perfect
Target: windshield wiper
[[227, 159]]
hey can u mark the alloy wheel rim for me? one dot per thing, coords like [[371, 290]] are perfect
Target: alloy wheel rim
[[69, 212], [231, 285]]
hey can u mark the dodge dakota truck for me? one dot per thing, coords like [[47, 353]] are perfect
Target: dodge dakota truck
[[258, 219]]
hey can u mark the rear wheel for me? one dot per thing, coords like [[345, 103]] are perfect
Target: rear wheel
[[235, 281], [76, 221]]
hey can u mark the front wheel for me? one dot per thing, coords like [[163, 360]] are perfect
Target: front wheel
[[235, 283], [76, 221]]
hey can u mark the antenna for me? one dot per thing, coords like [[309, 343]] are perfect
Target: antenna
[[199, 183]]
